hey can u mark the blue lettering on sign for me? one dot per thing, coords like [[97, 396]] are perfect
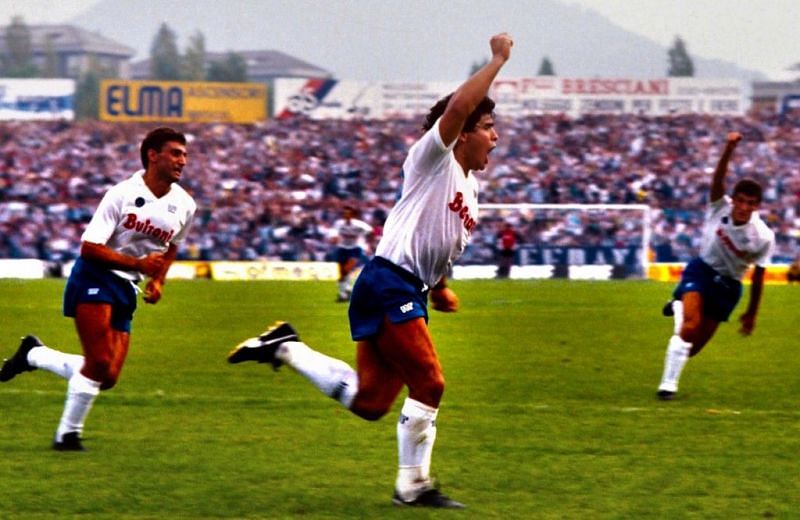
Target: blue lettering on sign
[[152, 101]]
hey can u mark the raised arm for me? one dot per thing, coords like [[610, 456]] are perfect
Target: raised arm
[[718, 182], [469, 95]]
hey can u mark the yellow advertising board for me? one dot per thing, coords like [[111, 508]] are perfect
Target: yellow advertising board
[[274, 270], [671, 272], [182, 101]]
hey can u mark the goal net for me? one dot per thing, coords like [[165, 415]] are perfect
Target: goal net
[[578, 241]]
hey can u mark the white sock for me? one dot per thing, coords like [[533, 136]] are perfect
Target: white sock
[[349, 281], [416, 433], [81, 392], [59, 363], [677, 309], [674, 361], [343, 292], [333, 377]]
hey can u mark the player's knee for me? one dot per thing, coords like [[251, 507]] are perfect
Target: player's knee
[[371, 403], [109, 383], [690, 331], [100, 369], [697, 346], [370, 411], [429, 391], [371, 414]]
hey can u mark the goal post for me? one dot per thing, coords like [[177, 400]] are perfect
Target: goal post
[[575, 240]]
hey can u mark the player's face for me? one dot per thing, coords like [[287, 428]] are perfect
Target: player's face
[[169, 162], [743, 208], [480, 142]]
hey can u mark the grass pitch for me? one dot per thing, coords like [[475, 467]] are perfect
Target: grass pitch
[[549, 411]]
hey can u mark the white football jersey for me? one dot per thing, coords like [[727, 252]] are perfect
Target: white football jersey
[[730, 249], [132, 221], [352, 232], [431, 224]]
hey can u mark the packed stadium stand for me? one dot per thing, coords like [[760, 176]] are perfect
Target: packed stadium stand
[[273, 190]]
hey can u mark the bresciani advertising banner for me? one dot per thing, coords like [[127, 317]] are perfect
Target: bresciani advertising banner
[[653, 97], [182, 101], [515, 97], [37, 99]]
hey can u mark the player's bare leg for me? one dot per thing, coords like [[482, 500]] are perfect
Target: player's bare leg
[[697, 328], [691, 333], [345, 283], [93, 323], [408, 348], [379, 384]]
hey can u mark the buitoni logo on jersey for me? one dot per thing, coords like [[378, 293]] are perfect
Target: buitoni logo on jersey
[[131, 222]]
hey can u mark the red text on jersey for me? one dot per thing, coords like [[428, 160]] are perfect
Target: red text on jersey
[[457, 206], [725, 239], [131, 222]]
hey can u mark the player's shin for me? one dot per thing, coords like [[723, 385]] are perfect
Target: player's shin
[[344, 288], [81, 393], [331, 376], [674, 361], [416, 434]]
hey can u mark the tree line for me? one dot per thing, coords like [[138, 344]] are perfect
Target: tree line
[[166, 63]]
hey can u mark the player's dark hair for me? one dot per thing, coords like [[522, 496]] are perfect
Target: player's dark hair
[[156, 139], [486, 106], [748, 187]]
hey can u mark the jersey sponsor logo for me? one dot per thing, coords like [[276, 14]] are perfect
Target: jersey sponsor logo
[[727, 242], [93, 291], [131, 222], [457, 206], [408, 307]]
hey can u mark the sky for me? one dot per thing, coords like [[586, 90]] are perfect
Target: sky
[[756, 34]]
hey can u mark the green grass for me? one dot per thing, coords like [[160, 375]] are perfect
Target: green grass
[[549, 411]]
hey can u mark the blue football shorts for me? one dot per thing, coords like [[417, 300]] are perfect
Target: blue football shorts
[[343, 254], [720, 293], [91, 283], [385, 289]]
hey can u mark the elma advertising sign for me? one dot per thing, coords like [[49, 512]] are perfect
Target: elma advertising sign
[[182, 101]]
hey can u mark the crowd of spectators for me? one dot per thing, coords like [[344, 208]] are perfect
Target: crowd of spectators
[[273, 190]]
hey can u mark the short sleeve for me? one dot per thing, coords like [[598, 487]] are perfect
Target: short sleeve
[[105, 219]]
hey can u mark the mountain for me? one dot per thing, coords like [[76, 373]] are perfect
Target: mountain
[[408, 40]]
